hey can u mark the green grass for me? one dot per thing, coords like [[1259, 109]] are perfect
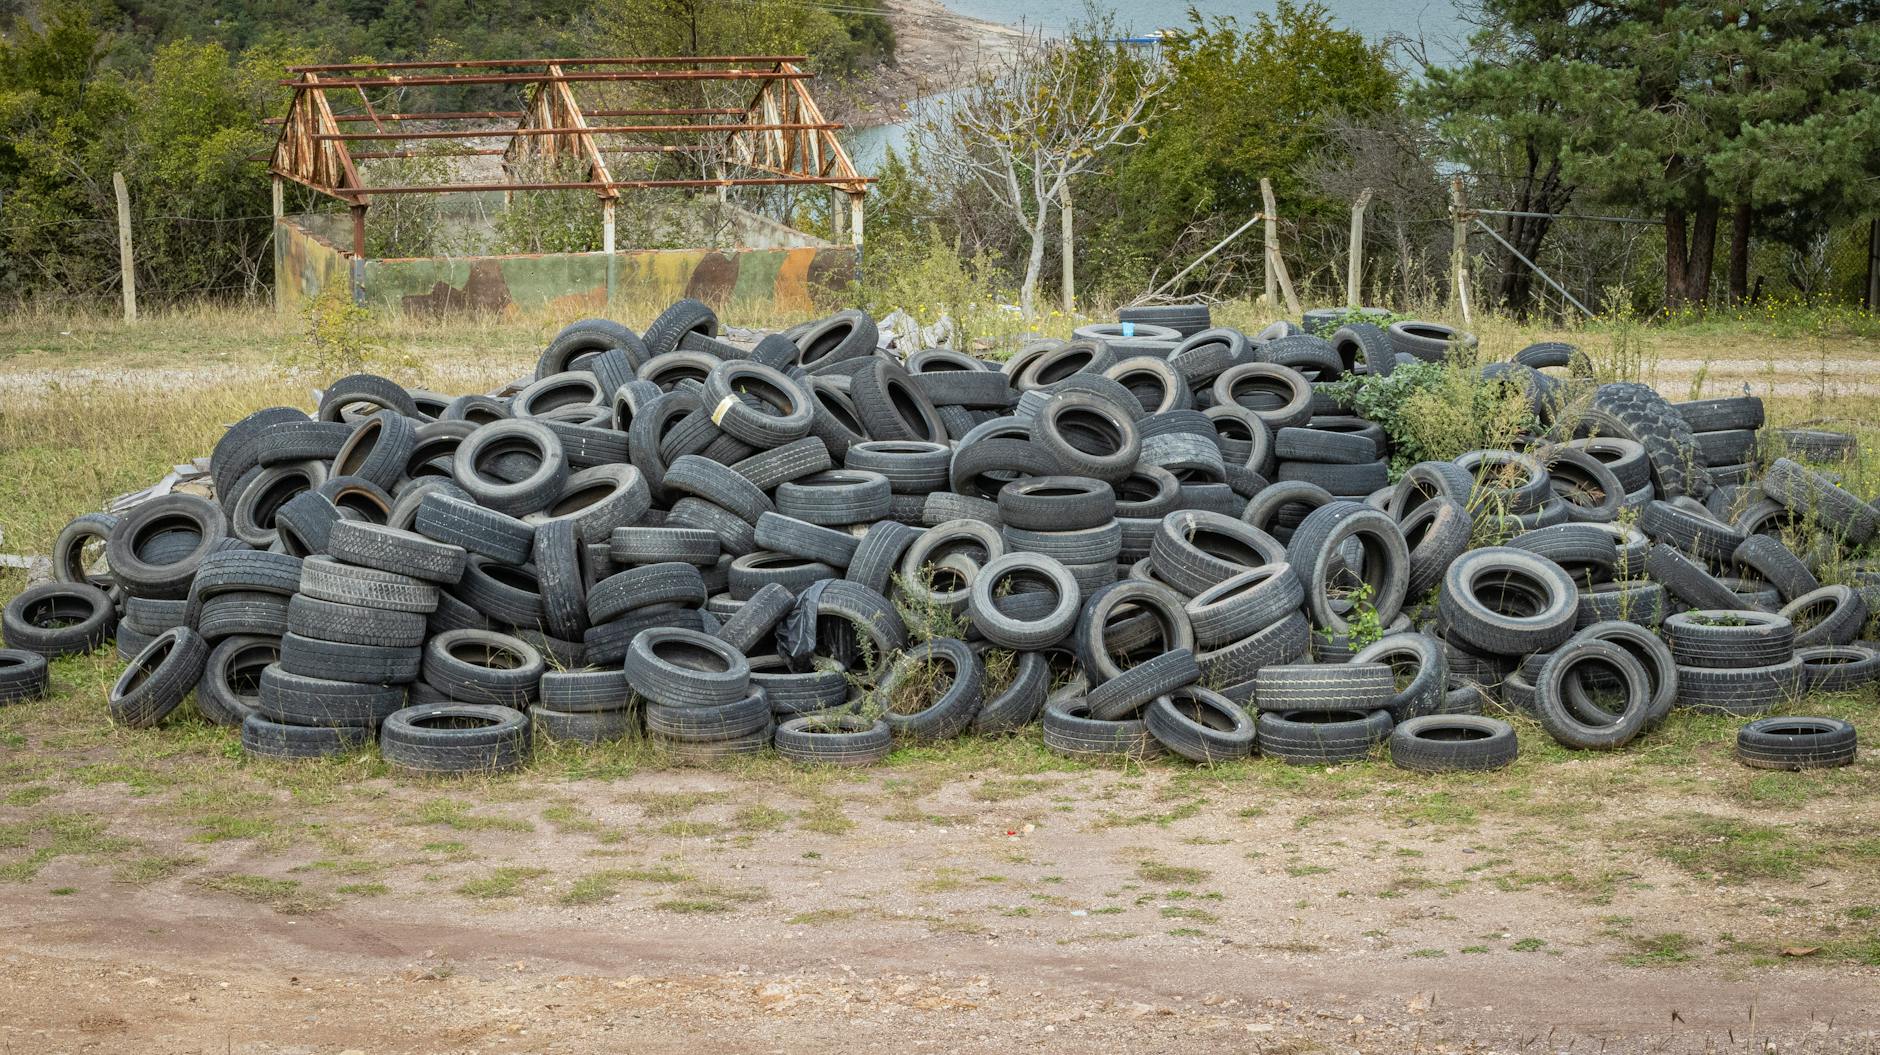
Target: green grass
[[1659, 950], [1158, 872], [504, 882], [284, 895]]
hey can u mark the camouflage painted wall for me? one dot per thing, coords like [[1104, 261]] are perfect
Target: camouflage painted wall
[[303, 264], [784, 279]]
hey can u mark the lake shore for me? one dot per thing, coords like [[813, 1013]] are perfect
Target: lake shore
[[936, 49]]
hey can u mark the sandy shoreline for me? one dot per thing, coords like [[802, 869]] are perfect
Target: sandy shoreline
[[935, 49]]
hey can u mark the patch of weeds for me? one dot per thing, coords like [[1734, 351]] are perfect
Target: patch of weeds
[[1429, 954], [692, 906], [1184, 912], [1528, 945], [363, 889], [1473, 950], [223, 828], [1163, 819], [1733, 851], [820, 916], [151, 868], [1001, 790], [1187, 932], [1301, 871], [825, 817], [283, 895], [683, 829], [54, 836], [1659, 950], [503, 882], [1156, 872], [30, 795], [567, 817], [455, 814], [759, 818]]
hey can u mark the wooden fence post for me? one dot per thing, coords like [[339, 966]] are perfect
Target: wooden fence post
[[126, 266], [1459, 248], [1070, 270], [1354, 267], [1269, 246], [1275, 263]]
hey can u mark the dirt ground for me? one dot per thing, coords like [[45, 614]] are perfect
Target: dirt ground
[[935, 50]]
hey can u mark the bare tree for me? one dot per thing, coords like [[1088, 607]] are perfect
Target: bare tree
[[1034, 122]]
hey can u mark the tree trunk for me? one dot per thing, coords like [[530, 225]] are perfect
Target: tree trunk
[[1674, 258], [1740, 225], [1703, 253], [1034, 266]]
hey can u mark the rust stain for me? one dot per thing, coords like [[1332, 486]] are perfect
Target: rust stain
[[484, 291], [713, 279], [790, 290]]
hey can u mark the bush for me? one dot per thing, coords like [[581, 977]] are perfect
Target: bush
[[1436, 411]]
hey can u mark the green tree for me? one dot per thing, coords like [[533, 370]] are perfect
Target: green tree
[[1243, 102]]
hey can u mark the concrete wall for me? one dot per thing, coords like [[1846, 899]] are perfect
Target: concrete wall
[[790, 279]]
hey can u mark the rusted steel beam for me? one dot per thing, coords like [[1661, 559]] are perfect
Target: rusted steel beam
[[632, 148], [630, 60], [536, 78], [497, 115], [480, 133], [739, 181]]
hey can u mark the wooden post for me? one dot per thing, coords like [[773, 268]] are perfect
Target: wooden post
[[607, 226], [1269, 247], [1354, 266], [359, 254], [1873, 266], [280, 200], [855, 219], [1275, 263], [1070, 270], [1459, 248], [127, 271]]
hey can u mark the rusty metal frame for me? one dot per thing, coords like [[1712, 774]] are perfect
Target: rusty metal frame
[[780, 138]]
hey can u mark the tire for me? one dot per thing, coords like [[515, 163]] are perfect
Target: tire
[[242, 612], [1690, 584], [1034, 573], [1429, 341], [1194, 550], [1129, 692], [343, 661], [455, 738], [1057, 503], [879, 553], [1526, 495], [23, 676], [1591, 491], [391, 550], [910, 466], [1286, 641], [892, 407], [1587, 553], [1278, 395], [1633, 411], [1775, 564], [1316, 445], [1317, 553], [1313, 738], [757, 404], [1661, 670], [230, 687], [1741, 691], [1796, 743], [1837, 668], [378, 449], [68, 551], [1816, 445], [57, 619], [1543, 598], [1157, 608], [584, 691], [173, 512], [263, 738], [790, 694], [368, 390], [304, 523], [1419, 670], [1244, 604], [481, 666], [1300, 687], [679, 668], [236, 449], [1564, 723], [836, 497], [1200, 725], [1832, 615], [1344, 481], [1453, 743], [683, 317], [158, 678], [1069, 730], [1693, 533], [1807, 493], [534, 491], [1716, 450], [310, 616], [834, 740], [942, 718], [1018, 703], [330, 580], [1364, 348], [757, 617], [1718, 415], [709, 723], [634, 546], [1712, 638], [644, 587], [581, 727], [1435, 534]]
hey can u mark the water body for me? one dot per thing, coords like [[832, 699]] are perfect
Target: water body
[[1436, 23]]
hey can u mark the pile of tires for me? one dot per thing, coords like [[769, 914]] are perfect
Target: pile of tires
[[1156, 537]]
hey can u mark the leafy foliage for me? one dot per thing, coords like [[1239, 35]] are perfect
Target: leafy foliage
[[1436, 411]]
